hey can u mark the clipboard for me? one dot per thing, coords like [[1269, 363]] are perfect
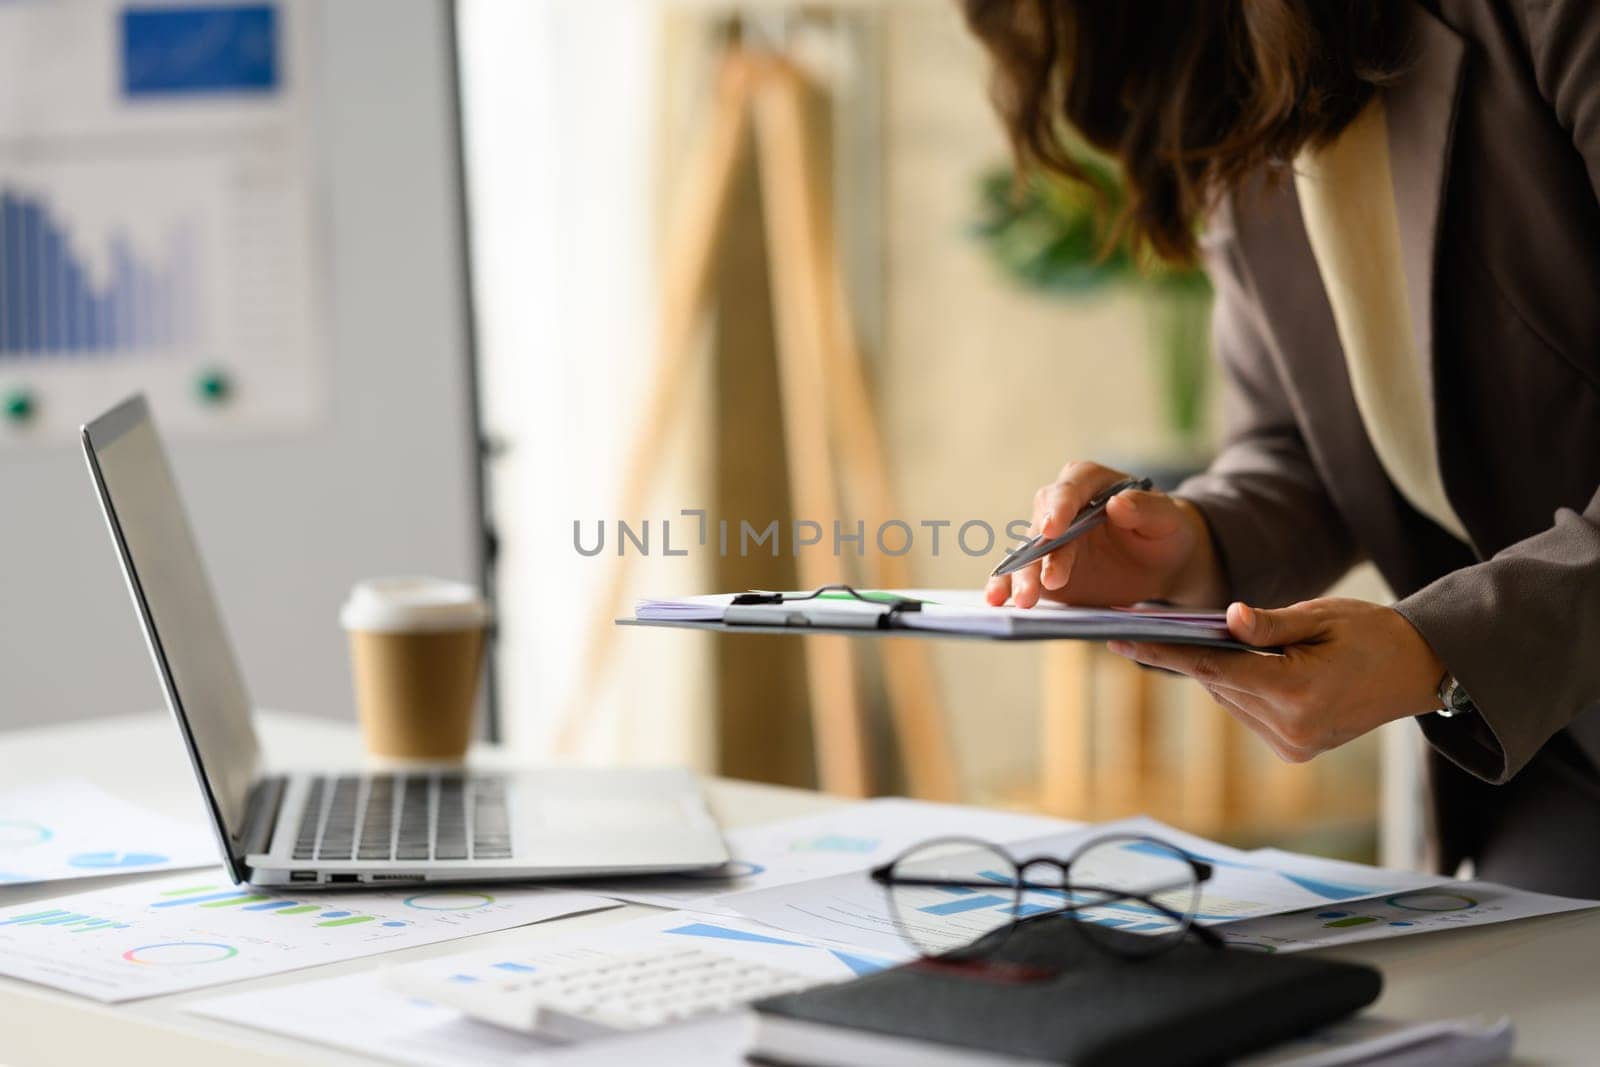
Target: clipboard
[[763, 613]]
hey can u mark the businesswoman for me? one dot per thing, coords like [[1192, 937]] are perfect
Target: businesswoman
[[1399, 204]]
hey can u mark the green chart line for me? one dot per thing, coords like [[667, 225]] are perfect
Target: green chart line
[[346, 922], [235, 902], [33, 917], [188, 892], [301, 910]]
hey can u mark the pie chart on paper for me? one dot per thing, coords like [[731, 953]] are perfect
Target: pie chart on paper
[[110, 861]]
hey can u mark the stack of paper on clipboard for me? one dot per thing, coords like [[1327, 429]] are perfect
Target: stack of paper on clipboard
[[930, 613]]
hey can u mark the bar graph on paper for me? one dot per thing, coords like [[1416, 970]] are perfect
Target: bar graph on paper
[[187, 930], [62, 299]]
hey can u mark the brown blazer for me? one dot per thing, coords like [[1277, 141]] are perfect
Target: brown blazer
[[1494, 134]]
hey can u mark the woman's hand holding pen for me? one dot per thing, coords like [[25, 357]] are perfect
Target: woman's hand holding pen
[[1151, 547], [1348, 666]]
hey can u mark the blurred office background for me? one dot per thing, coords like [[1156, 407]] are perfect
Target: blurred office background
[[513, 213]]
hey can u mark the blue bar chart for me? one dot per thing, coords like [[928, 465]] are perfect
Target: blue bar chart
[[54, 304]]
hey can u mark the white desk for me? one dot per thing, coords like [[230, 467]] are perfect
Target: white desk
[[1542, 972]]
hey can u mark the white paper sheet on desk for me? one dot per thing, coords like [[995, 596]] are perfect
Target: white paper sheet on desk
[[360, 1013], [852, 908], [1446, 906], [1373, 1041], [375, 1012], [195, 930], [850, 837], [70, 829], [827, 961]]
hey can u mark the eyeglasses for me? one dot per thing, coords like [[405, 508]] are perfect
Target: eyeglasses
[[946, 895]]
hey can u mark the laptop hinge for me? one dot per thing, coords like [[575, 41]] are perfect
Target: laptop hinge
[[261, 815]]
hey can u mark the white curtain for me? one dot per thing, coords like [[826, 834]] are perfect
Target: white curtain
[[561, 103]]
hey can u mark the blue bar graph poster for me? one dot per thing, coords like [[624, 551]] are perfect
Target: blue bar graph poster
[[159, 217], [52, 303]]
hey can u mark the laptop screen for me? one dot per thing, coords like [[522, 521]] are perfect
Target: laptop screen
[[177, 610]]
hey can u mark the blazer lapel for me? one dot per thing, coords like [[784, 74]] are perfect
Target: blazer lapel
[[1420, 109], [1282, 272]]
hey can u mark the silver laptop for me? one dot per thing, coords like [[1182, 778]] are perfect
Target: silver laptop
[[424, 825]]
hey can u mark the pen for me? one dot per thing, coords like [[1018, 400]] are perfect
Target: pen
[[1092, 515]]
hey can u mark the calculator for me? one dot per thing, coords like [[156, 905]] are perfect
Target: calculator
[[616, 994]]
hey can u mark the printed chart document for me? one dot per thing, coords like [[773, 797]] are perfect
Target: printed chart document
[[1448, 906], [852, 908], [850, 837], [827, 961], [71, 829], [381, 1012], [194, 930]]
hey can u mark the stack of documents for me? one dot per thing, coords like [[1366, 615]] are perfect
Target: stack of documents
[[797, 896], [952, 612]]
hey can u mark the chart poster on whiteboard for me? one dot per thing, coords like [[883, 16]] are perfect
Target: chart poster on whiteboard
[[158, 222]]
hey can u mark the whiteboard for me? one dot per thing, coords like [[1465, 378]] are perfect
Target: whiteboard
[[315, 383]]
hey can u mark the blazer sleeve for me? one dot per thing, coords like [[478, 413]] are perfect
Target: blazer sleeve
[[1520, 631], [1563, 39], [1277, 532]]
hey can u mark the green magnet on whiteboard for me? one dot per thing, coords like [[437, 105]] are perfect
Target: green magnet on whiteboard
[[20, 405], [213, 387]]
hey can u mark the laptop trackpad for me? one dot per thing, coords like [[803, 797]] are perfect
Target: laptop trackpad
[[614, 818]]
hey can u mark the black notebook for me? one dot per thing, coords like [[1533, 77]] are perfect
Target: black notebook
[[1054, 998]]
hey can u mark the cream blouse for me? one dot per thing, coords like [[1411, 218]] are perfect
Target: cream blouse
[[1347, 202]]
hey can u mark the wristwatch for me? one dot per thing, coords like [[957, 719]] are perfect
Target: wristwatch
[[1453, 700]]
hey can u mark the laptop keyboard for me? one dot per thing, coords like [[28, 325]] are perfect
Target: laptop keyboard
[[446, 816]]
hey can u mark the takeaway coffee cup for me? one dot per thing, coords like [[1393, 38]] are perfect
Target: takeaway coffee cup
[[416, 649]]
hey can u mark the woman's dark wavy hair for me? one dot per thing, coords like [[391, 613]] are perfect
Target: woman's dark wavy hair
[[1190, 96]]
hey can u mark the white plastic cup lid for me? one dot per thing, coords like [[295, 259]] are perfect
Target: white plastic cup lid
[[413, 605]]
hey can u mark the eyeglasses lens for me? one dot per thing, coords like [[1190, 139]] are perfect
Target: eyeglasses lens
[[946, 895], [1133, 886]]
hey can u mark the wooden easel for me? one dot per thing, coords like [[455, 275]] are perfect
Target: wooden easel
[[825, 403]]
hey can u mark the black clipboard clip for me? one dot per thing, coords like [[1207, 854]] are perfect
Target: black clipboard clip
[[897, 605]]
